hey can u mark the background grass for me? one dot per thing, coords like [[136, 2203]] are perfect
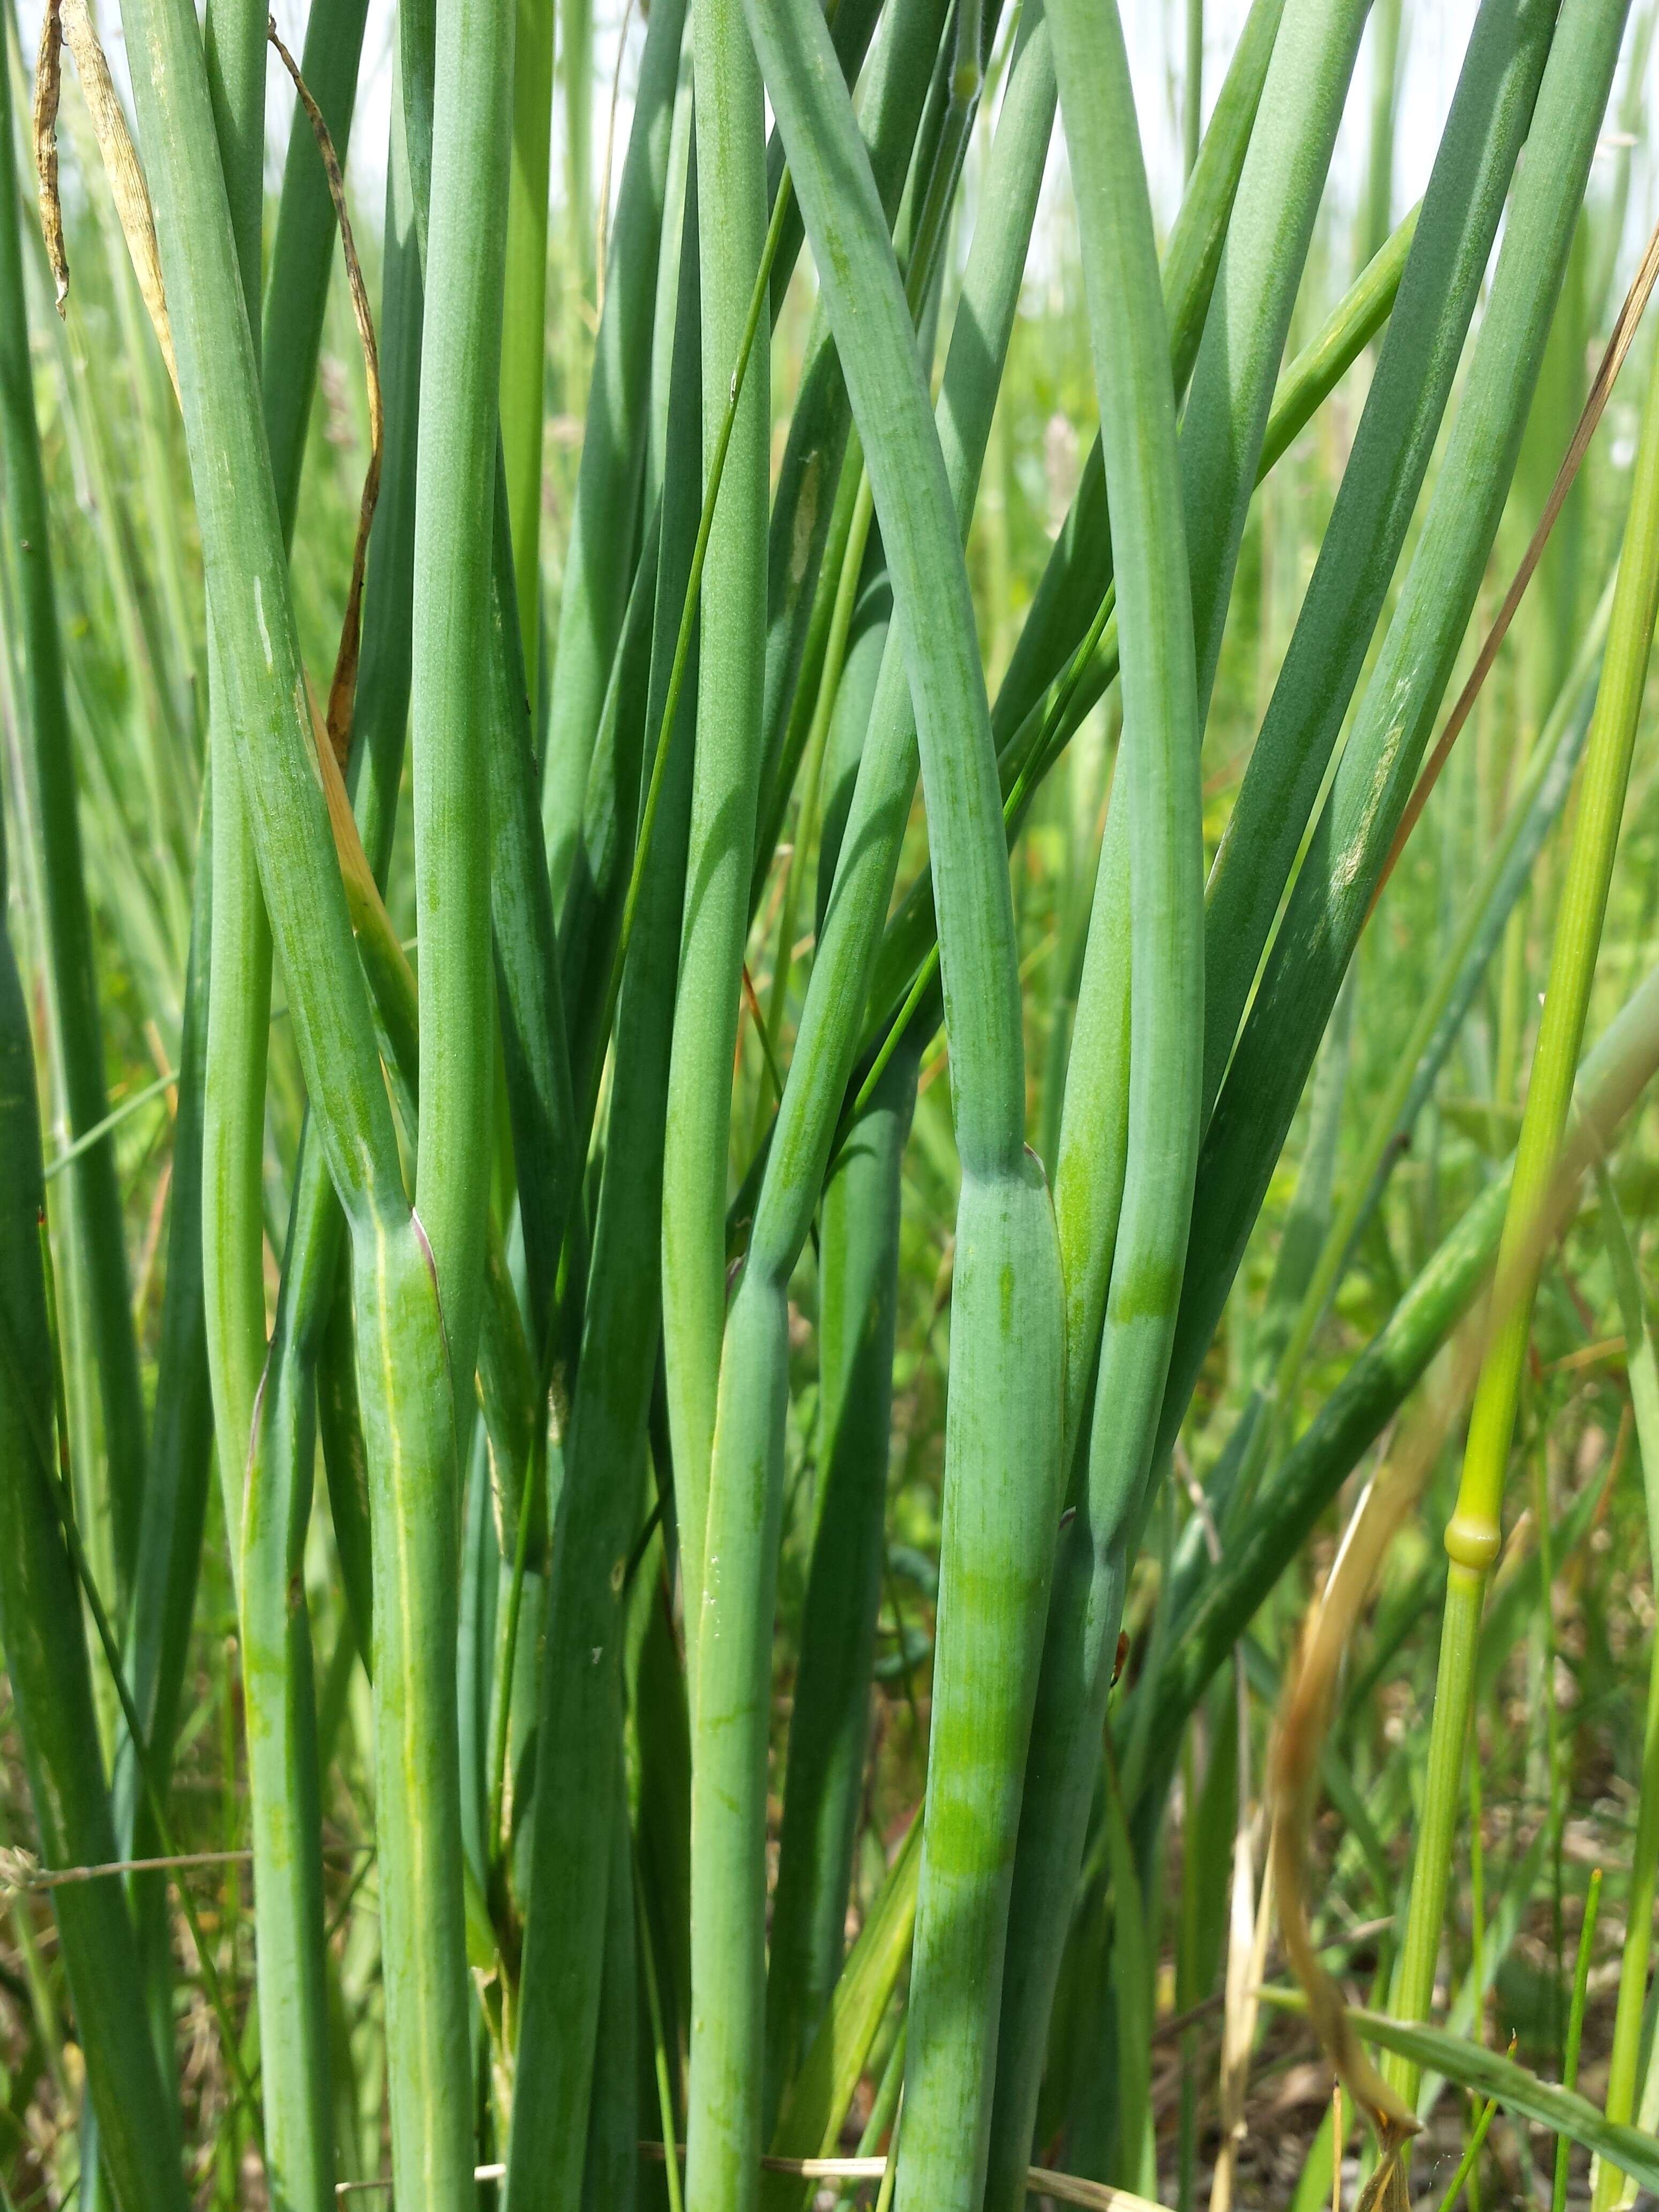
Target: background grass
[[1565, 1647]]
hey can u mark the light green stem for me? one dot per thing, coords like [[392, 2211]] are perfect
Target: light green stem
[[728, 1955], [1261, 263], [523, 328], [407, 1419], [233, 1128], [455, 487], [1002, 1439], [1162, 897], [1329, 901], [806, 824], [730, 161], [599, 563], [1474, 1533], [580, 1674], [295, 301]]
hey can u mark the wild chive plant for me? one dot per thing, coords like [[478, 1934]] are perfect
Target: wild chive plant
[[786, 1635]]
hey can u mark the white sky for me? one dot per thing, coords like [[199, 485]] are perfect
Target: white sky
[[1436, 34]]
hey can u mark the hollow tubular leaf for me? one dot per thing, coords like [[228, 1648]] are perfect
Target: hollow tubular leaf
[[524, 318], [303, 242], [237, 1014], [1079, 570], [404, 1384], [828, 1724], [732, 223], [1491, 110], [598, 1511], [283, 1759], [1003, 1420], [804, 505], [728, 1598], [460, 355], [826, 1752], [1255, 286], [1037, 742], [1372, 782], [1160, 800], [597, 569]]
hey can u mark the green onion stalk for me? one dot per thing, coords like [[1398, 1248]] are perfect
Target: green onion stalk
[[1038, 741], [1331, 898], [270, 1479], [455, 486], [520, 1355], [1147, 1162], [905, 1002], [823, 1782], [1076, 577], [823, 617], [1002, 1442], [239, 1004], [576, 24], [266, 1489], [523, 319], [1040, 706], [1113, 1155], [1360, 549], [1069, 627], [1332, 895], [860, 1232], [572, 1874], [597, 570], [295, 300], [811, 507], [1302, 387], [730, 184], [1242, 344], [405, 1388]]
